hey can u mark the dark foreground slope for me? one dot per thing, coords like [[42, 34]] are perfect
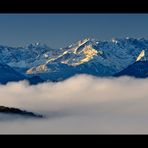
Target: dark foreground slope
[[8, 74], [138, 69], [16, 111]]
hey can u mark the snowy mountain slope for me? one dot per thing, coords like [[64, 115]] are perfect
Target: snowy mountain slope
[[102, 58], [24, 57], [62, 71], [90, 56]]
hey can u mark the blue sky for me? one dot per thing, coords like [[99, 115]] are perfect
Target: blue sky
[[60, 30]]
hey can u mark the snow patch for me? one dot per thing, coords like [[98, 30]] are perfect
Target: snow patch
[[141, 55]]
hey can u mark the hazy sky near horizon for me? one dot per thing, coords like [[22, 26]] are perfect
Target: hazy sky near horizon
[[60, 30]]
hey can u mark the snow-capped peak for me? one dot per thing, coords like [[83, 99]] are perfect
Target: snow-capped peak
[[37, 44], [89, 52], [141, 55], [114, 40], [82, 42]]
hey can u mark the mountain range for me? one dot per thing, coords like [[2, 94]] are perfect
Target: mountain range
[[39, 62]]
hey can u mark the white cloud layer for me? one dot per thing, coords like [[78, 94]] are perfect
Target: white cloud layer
[[81, 104]]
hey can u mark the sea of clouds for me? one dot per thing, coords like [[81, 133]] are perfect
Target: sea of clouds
[[80, 105]]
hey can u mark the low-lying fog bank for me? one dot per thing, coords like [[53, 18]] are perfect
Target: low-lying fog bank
[[81, 104]]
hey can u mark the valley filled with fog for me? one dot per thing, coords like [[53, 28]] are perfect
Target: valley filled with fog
[[81, 104]]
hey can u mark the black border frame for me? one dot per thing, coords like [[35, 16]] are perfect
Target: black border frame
[[75, 6]]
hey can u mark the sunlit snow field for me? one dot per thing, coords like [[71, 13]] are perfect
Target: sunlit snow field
[[81, 104]]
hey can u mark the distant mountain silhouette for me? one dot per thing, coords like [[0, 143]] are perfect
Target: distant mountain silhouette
[[16, 111]]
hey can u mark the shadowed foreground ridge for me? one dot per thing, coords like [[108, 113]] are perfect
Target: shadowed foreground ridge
[[138, 70], [16, 111]]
